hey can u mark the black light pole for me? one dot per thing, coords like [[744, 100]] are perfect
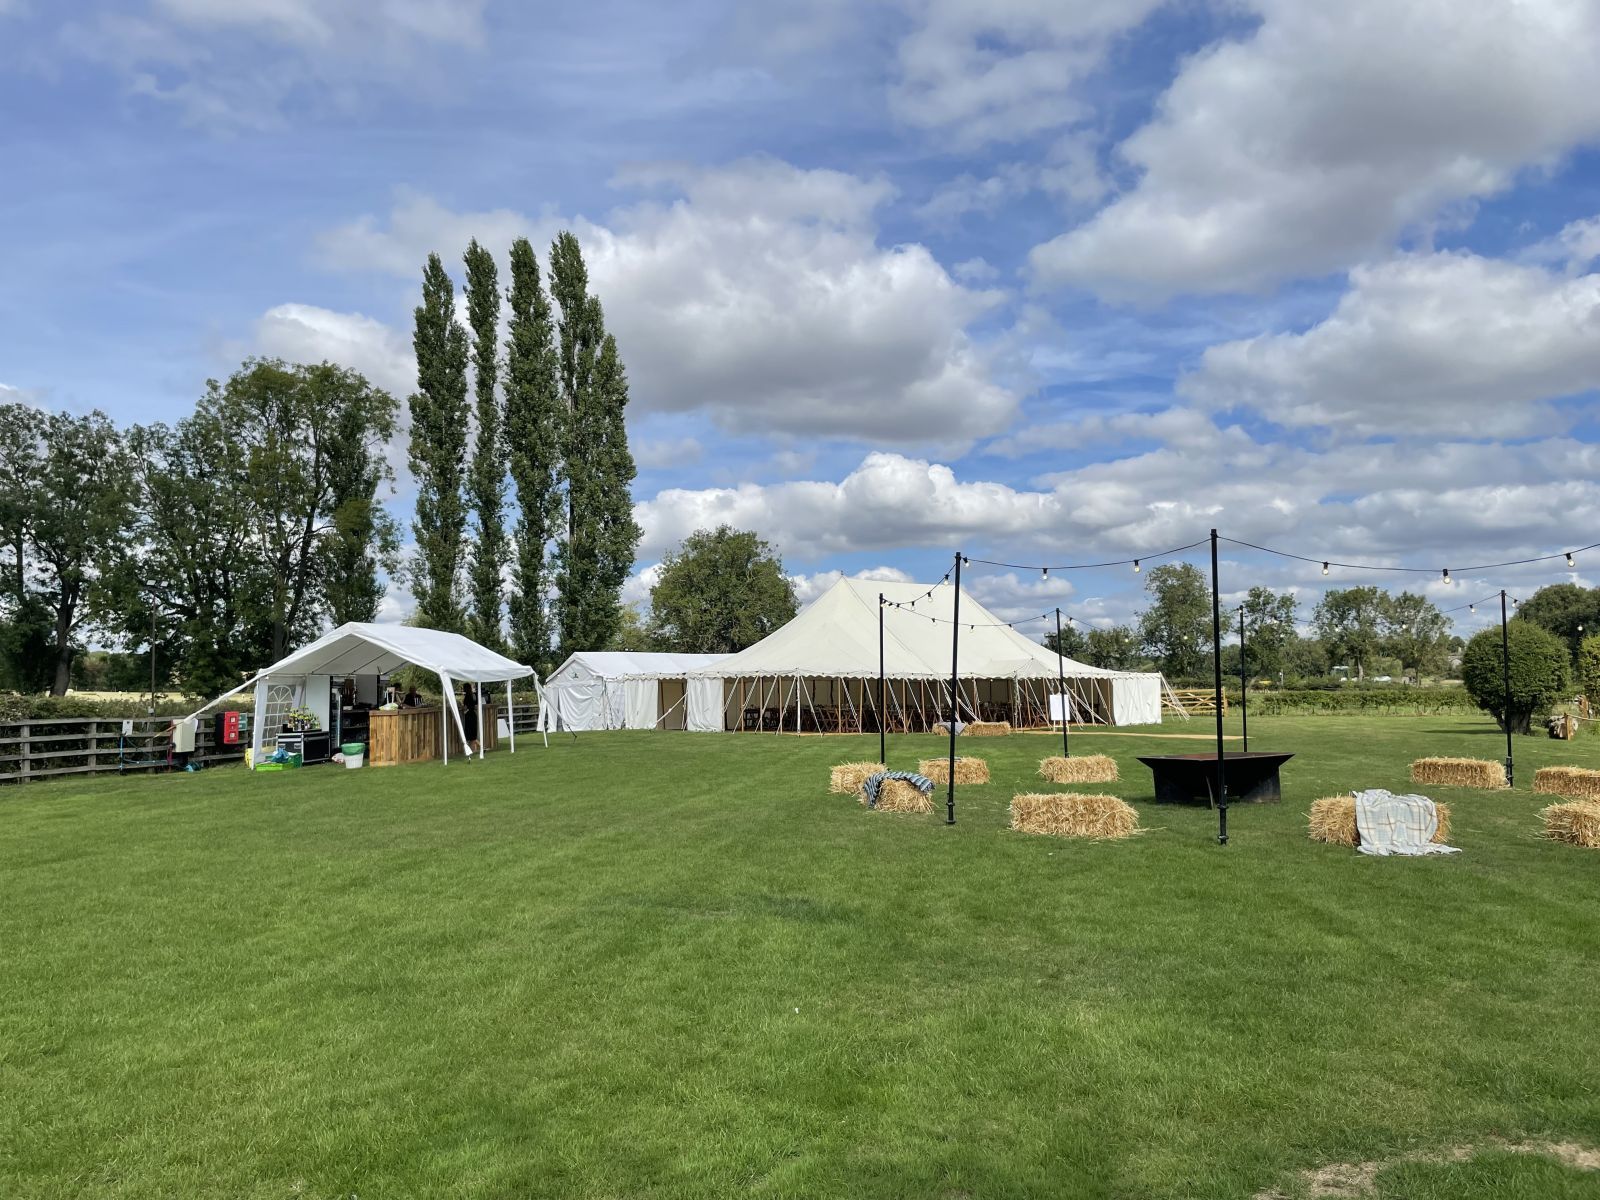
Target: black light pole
[[1505, 683], [882, 711], [955, 683], [1061, 671], [1244, 685], [1216, 660], [152, 708]]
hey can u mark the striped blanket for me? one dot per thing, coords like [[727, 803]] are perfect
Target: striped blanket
[[1401, 825], [921, 782]]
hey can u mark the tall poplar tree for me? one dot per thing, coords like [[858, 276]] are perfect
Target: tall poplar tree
[[486, 482], [533, 428], [438, 450], [594, 558]]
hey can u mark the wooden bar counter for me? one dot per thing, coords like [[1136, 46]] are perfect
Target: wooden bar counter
[[406, 735]]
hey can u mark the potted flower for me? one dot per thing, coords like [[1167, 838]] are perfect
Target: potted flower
[[301, 720]]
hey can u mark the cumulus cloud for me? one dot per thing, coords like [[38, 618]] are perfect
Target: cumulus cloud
[[306, 333], [981, 71], [1422, 344], [757, 293], [1328, 132], [808, 587]]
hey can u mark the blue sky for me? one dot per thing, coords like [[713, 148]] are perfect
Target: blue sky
[[1043, 280]]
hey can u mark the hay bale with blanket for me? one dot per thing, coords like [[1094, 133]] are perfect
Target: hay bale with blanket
[[1568, 781], [897, 791], [1080, 768], [846, 779], [1577, 822], [968, 770], [988, 729], [1333, 820], [1074, 815], [1459, 772]]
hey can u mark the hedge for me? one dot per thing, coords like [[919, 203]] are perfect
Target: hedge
[[16, 706], [1400, 698]]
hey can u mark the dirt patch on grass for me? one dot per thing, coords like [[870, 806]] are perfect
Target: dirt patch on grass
[[1351, 1181]]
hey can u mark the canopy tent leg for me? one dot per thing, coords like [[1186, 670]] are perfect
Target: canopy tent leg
[[511, 719], [477, 694], [257, 733]]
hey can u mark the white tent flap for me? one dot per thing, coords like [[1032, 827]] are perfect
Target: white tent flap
[[705, 705]]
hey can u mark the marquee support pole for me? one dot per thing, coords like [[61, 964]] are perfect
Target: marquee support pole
[[955, 702], [1505, 684], [1216, 662], [1061, 675]]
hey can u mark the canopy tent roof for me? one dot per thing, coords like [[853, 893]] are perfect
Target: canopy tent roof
[[364, 648], [636, 664], [836, 636]]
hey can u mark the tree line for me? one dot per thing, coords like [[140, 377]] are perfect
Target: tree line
[[1364, 631], [221, 542]]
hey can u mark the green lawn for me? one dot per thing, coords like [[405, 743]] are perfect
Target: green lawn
[[667, 965]]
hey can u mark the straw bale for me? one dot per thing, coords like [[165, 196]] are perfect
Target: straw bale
[[1073, 814], [1333, 820], [1577, 822], [898, 796], [988, 728], [1459, 772], [1568, 781], [968, 770], [1083, 768], [847, 778]]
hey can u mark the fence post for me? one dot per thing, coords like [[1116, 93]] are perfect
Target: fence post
[[94, 747], [24, 756]]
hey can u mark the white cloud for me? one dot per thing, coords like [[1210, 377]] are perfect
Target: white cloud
[[808, 587], [1330, 131], [759, 295], [981, 71], [1168, 425], [231, 65], [667, 452], [306, 333], [1425, 344]]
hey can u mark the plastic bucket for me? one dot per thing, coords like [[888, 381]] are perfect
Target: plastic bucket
[[350, 748], [353, 761]]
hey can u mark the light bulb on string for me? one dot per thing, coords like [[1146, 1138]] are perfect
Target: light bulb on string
[[1472, 608], [1569, 559], [1044, 572], [1324, 568], [1136, 566], [1447, 574]]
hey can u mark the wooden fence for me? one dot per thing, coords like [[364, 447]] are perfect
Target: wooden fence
[[42, 747], [46, 746], [1192, 701]]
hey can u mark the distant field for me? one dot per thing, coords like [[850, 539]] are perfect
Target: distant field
[[669, 965]]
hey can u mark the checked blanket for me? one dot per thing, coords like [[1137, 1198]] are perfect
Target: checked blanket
[[921, 782], [1402, 825]]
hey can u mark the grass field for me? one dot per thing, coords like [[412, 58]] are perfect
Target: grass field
[[666, 965]]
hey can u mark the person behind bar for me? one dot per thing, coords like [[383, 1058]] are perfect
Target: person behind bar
[[469, 714]]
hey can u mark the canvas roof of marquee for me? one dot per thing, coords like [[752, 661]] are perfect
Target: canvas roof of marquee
[[836, 635]]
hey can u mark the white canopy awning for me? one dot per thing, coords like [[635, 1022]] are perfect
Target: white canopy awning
[[364, 648]]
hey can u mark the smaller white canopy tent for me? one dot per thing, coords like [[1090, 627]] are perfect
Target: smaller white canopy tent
[[363, 648], [622, 689]]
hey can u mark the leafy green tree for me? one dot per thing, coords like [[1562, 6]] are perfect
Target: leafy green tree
[[439, 418], [1305, 657], [1074, 643], [1115, 648], [361, 538], [1589, 668], [594, 558], [1566, 610], [534, 437], [27, 663], [1413, 630], [718, 592], [633, 632], [1176, 628], [1539, 665], [1349, 621], [1269, 627], [487, 478], [82, 520]]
